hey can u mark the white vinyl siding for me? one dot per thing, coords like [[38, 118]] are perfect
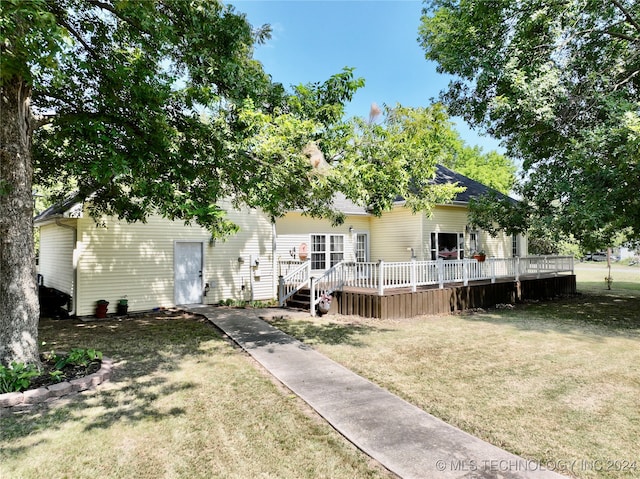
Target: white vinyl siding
[[137, 260], [496, 247], [394, 234], [117, 259], [56, 256]]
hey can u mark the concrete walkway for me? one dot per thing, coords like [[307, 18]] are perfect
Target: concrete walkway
[[405, 439]]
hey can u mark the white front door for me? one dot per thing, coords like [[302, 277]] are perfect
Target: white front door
[[188, 273]]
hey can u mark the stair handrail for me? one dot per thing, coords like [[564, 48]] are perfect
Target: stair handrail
[[293, 282], [331, 280]]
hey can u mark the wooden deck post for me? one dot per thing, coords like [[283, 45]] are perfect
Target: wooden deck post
[[312, 296], [465, 272], [571, 263], [517, 268], [414, 276], [280, 290], [538, 268], [492, 269], [440, 266], [380, 277]]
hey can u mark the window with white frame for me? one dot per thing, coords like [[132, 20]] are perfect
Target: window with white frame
[[473, 242], [326, 250], [336, 244], [361, 249], [514, 246], [447, 246], [318, 251]]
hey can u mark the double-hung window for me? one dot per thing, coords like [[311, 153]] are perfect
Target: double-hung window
[[326, 250], [318, 251], [336, 243]]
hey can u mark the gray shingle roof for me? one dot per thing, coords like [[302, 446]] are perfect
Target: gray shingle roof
[[59, 209], [346, 206], [474, 189], [444, 175]]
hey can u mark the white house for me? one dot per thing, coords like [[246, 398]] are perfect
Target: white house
[[163, 263]]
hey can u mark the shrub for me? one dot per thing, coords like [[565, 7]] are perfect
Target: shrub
[[16, 377], [77, 357]]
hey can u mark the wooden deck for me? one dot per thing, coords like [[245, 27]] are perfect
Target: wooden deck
[[402, 303]]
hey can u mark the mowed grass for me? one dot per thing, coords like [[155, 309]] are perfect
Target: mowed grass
[[556, 382], [591, 277], [183, 403]]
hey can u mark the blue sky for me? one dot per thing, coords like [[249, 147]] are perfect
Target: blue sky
[[313, 40]]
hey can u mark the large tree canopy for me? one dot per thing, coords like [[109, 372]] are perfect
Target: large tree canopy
[[559, 84], [159, 107], [145, 107]]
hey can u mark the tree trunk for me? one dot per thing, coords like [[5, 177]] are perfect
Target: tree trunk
[[19, 308]]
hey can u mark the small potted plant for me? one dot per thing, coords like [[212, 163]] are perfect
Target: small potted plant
[[123, 306], [102, 306], [479, 256], [324, 305]]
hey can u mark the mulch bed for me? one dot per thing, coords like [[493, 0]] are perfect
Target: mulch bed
[[70, 372]]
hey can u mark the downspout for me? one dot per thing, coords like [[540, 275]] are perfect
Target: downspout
[[251, 297], [274, 263], [74, 259]]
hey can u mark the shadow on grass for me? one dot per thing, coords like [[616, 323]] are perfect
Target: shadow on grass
[[311, 332], [595, 314], [143, 349]]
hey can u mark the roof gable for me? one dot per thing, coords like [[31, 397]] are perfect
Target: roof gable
[[70, 207]]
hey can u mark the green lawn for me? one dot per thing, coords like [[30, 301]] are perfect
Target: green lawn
[[556, 382], [591, 277], [183, 403]]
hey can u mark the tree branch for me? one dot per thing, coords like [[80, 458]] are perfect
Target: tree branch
[[627, 14], [622, 36], [109, 8], [628, 79], [78, 37], [41, 120], [60, 19]]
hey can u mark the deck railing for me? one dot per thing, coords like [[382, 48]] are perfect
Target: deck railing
[[383, 276], [286, 266], [297, 277]]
